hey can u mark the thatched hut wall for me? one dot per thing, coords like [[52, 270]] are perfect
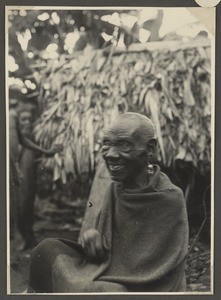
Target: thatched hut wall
[[167, 81]]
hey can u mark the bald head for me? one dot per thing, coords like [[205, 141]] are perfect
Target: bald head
[[135, 125]]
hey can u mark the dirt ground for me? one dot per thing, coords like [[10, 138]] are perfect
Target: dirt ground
[[64, 221]]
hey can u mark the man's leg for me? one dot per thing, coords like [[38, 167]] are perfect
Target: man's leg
[[42, 259], [27, 194]]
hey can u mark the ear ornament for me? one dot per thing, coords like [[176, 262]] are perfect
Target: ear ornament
[[150, 169]]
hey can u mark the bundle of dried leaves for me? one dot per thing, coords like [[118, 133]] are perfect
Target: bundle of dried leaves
[[82, 94]]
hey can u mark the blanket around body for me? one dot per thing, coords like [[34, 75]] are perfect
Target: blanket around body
[[147, 235]]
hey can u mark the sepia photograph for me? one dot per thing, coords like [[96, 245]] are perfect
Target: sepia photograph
[[110, 150]]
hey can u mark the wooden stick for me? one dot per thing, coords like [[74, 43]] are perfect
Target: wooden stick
[[164, 45]]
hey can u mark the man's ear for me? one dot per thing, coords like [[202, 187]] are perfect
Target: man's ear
[[151, 146]]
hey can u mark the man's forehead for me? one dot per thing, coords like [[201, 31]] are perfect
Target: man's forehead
[[124, 129], [121, 129], [131, 125]]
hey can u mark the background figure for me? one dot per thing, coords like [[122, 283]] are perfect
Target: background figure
[[27, 189], [27, 193], [14, 173], [23, 171], [14, 185]]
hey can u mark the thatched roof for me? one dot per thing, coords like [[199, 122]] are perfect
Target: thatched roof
[[167, 81]]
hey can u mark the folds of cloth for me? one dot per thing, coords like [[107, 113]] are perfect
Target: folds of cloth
[[147, 236]]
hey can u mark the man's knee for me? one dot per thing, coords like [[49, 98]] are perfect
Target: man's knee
[[42, 258], [45, 249]]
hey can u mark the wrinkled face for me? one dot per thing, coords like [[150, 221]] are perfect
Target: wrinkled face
[[25, 122], [125, 151]]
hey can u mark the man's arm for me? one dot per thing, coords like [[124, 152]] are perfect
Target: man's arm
[[27, 143]]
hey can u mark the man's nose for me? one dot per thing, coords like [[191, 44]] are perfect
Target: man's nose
[[112, 153]]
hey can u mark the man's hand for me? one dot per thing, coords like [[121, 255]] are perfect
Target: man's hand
[[54, 149], [94, 245]]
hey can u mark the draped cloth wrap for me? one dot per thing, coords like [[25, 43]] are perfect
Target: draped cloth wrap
[[147, 235]]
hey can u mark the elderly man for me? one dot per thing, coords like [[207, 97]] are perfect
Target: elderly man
[[140, 240]]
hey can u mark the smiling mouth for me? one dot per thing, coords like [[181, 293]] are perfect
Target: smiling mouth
[[115, 167]]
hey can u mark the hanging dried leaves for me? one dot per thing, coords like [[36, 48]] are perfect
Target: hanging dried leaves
[[83, 94]]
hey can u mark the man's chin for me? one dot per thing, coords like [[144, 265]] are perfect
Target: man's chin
[[117, 178]]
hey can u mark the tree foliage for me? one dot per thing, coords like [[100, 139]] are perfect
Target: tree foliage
[[43, 27]]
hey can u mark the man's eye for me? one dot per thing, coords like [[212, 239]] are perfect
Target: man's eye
[[124, 145], [106, 143]]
